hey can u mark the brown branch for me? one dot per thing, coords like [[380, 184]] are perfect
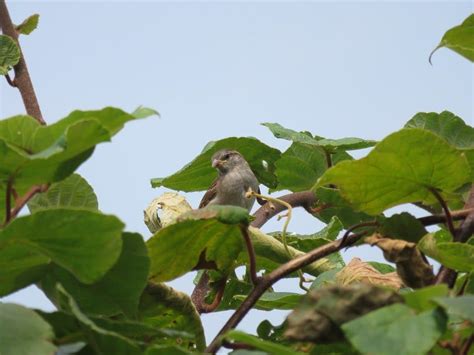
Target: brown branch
[[303, 199], [444, 206], [199, 294], [10, 81], [271, 278], [446, 275], [441, 218], [22, 77], [22, 201], [467, 345], [354, 227], [251, 252]]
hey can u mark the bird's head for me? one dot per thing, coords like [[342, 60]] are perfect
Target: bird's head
[[226, 160]]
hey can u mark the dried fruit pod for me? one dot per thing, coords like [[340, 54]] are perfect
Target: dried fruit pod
[[165, 210]]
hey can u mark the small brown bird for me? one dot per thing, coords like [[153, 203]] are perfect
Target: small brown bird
[[234, 180]]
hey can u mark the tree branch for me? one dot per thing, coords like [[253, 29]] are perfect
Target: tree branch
[[305, 199], [22, 77], [271, 278], [444, 206], [446, 275], [251, 252]]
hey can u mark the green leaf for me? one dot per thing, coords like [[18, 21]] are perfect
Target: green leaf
[[450, 127], [268, 331], [307, 242], [402, 226], [199, 174], [143, 112], [335, 205], [234, 287], [422, 299], [31, 154], [299, 167], [446, 125], [395, 329], [460, 39], [28, 25], [400, 169], [271, 253], [9, 54], [325, 279], [190, 237], [85, 243], [382, 267], [100, 340], [260, 344], [331, 144], [118, 291], [165, 308], [167, 350], [462, 307], [458, 256], [22, 331], [74, 191], [275, 300]]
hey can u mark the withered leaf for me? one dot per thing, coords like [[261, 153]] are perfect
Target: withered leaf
[[412, 268], [358, 271], [321, 312]]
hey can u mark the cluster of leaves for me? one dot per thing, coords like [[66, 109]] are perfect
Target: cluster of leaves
[[108, 284]]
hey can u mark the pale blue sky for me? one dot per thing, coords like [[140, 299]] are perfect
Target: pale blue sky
[[215, 70]]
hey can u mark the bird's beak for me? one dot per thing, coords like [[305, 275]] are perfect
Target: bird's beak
[[216, 163]]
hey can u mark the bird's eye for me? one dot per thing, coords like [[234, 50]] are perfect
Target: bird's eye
[[225, 157]]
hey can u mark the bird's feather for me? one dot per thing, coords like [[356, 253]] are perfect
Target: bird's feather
[[210, 194]]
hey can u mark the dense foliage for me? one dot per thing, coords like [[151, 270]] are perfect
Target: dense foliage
[[109, 284]]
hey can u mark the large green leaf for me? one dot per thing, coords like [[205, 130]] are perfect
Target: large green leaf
[[165, 308], [100, 341], [9, 54], [395, 329], [118, 291], [271, 253], [199, 174], [335, 205], [23, 332], [85, 243], [458, 256], [32, 154], [213, 231], [400, 169], [462, 307], [422, 299], [460, 39], [330, 144], [28, 25], [402, 226], [267, 346], [450, 127], [275, 300], [307, 242], [74, 191], [299, 167]]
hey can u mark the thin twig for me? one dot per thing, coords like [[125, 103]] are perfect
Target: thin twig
[[441, 218], [251, 252], [288, 216], [328, 158], [271, 278], [23, 200], [10, 81], [354, 227], [444, 206], [200, 292], [467, 345], [22, 76]]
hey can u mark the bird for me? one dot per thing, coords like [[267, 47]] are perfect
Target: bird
[[235, 178]]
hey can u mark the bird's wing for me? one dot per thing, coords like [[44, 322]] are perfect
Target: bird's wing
[[209, 195]]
